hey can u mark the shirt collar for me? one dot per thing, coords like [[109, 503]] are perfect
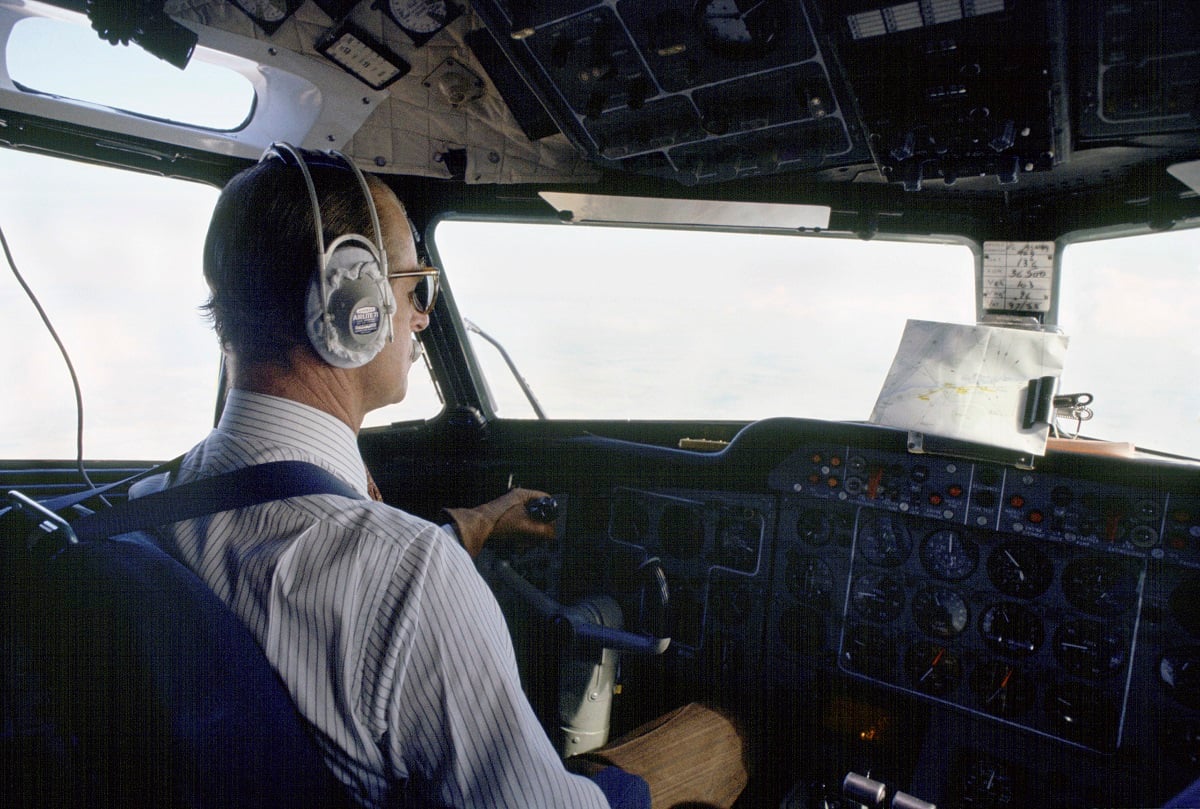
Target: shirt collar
[[288, 423]]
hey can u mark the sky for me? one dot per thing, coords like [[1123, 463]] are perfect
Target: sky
[[610, 323]]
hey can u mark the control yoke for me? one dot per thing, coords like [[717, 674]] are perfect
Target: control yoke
[[574, 622]]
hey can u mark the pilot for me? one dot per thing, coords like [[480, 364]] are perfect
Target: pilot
[[391, 644]]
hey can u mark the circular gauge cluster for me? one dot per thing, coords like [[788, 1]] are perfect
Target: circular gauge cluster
[[1008, 626], [1074, 709]]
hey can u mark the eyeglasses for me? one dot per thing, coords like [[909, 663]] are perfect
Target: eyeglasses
[[424, 295]]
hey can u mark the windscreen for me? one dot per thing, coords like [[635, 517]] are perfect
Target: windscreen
[[639, 323]]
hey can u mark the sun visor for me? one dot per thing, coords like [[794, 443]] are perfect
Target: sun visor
[[1187, 173], [687, 212]]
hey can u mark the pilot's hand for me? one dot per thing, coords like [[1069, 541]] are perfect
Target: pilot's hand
[[504, 517]]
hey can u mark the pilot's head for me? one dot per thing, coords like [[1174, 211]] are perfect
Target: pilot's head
[[270, 303]]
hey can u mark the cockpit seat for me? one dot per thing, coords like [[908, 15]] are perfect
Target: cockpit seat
[[127, 682]]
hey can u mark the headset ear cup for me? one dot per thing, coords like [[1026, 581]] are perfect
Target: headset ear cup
[[349, 321]]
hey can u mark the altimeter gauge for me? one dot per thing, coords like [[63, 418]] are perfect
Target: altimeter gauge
[[422, 19], [268, 14]]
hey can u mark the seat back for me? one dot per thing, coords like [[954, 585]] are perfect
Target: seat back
[[127, 682]]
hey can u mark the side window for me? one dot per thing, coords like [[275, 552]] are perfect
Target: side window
[[114, 258], [1129, 306]]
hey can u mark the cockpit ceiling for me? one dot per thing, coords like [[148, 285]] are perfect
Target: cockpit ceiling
[[428, 125], [977, 95]]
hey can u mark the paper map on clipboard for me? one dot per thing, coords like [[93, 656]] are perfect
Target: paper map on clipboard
[[969, 382]]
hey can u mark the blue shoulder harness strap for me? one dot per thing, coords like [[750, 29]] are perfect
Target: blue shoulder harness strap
[[242, 487]]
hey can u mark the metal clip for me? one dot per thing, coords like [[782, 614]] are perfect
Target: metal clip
[[1073, 406]]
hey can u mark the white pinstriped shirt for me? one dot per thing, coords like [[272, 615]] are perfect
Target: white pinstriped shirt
[[390, 643]]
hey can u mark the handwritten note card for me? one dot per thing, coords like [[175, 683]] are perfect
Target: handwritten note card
[[1017, 276]]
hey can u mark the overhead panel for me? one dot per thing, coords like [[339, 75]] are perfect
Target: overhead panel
[[695, 90], [1141, 63], [953, 89]]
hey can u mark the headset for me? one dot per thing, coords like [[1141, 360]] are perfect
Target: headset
[[349, 306]]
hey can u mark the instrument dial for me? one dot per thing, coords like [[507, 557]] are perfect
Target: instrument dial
[[869, 650], [933, 669], [1179, 670], [268, 14], [940, 611], [1081, 713], [1019, 569], [1012, 628], [1100, 585], [1002, 689], [948, 554], [738, 538], [817, 527], [884, 539], [421, 19], [877, 597], [809, 580], [1089, 648]]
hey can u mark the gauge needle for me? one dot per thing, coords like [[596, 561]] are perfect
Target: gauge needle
[[1016, 565], [751, 10], [1003, 685], [937, 658], [738, 15]]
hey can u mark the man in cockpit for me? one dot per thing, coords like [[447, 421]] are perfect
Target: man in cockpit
[[391, 644]]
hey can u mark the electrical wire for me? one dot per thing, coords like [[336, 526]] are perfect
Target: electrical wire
[[66, 357]]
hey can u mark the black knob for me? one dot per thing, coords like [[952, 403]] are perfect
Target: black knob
[[542, 509]]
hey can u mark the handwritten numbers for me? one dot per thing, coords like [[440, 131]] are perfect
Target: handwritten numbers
[[1017, 276]]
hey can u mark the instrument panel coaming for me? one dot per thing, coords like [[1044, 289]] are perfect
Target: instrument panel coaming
[[1055, 611]]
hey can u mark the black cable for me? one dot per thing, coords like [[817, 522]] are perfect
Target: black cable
[[63, 350]]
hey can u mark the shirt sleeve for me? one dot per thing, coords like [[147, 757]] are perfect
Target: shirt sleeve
[[460, 727]]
